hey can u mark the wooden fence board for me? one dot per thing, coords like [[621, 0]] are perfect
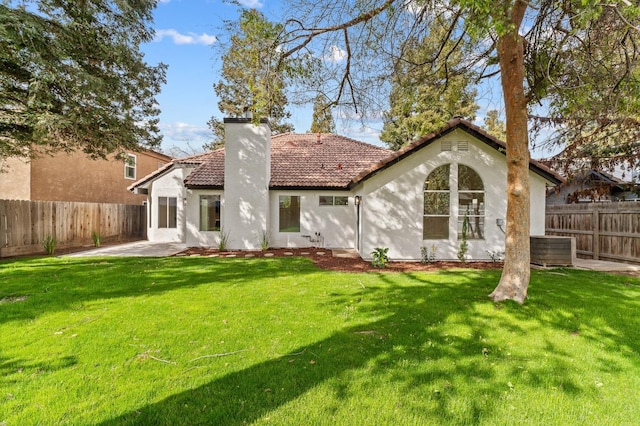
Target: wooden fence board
[[25, 224], [608, 231]]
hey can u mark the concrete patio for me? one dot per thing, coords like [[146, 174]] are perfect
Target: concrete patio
[[136, 248]]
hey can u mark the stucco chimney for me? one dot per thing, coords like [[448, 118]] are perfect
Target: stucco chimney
[[247, 172]]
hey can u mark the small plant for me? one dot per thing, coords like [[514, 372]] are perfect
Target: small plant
[[379, 257], [428, 255], [50, 244], [495, 255], [97, 240], [464, 246], [265, 240], [224, 240]]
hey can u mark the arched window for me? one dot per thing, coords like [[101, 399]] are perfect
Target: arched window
[[438, 194], [470, 203], [437, 198]]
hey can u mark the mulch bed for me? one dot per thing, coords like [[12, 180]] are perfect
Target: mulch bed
[[325, 260]]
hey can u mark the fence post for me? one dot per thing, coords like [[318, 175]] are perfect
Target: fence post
[[596, 233]]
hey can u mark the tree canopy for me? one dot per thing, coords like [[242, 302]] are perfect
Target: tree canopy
[[322, 120], [428, 90], [494, 126], [579, 59], [72, 77], [252, 79]]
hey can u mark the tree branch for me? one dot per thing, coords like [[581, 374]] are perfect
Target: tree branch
[[313, 33]]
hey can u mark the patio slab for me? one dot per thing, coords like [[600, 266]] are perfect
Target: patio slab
[[136, 248]]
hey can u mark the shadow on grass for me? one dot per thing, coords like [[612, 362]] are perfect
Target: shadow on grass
[[44, 285], [428, 336], [408, 346]]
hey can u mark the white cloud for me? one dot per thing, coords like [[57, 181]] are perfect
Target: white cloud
[[250, 3], [179, 132], [165, 1], [364, 134], [336, 54], [189, 38]]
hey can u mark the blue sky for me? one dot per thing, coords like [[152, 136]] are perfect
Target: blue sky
[[186, 32]]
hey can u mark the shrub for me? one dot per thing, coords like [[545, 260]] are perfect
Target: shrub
[[464, 246], [265, 240], [50, 244], [97, 240], [224, 240], [496, 256], [428, 256], [379, 257]]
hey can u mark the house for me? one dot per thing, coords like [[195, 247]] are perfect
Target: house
[[76, 177], [304, 190], [593, 186]]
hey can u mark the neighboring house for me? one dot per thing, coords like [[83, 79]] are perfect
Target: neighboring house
[[305, 190], [76, 177], [593, 186]]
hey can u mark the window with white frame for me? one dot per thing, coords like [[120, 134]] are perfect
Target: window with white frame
[[438, 195], [330, 200], [437, 198], [167, 212], [470, 203], [289, 213], [130, 166], [209, 212]]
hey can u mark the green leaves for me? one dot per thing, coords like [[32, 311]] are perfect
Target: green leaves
[[73, 78], [253, 76], [322, 118], [430, 85]]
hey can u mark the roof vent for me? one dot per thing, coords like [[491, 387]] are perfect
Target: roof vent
[[463, 146], [445, 146]]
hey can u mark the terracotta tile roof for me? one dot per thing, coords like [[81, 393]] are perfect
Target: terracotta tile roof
[[301, 161], [192, 160], [210, 174], [327, 161], [309, 161]]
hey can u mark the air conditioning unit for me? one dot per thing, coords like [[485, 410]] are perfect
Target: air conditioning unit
[[549, 250]]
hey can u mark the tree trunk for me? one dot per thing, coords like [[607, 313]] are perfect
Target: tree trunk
[[515, 275]]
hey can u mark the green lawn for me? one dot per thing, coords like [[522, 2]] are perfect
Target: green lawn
[[277, 341]]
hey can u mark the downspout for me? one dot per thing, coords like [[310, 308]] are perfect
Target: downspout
[[357, 200]]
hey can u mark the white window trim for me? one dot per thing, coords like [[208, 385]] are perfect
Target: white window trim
[[300, 198], [333, 201], [128, 165], [454, 202], [168, 212], [217, 198]]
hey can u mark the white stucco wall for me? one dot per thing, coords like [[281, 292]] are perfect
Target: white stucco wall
[[538, 203], [246, 182], [392, 203], [194, 236], [336, 224], [168, 185], [391, 208]]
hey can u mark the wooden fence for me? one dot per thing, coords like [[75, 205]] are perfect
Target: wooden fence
[[607, 231], [25, 224]]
